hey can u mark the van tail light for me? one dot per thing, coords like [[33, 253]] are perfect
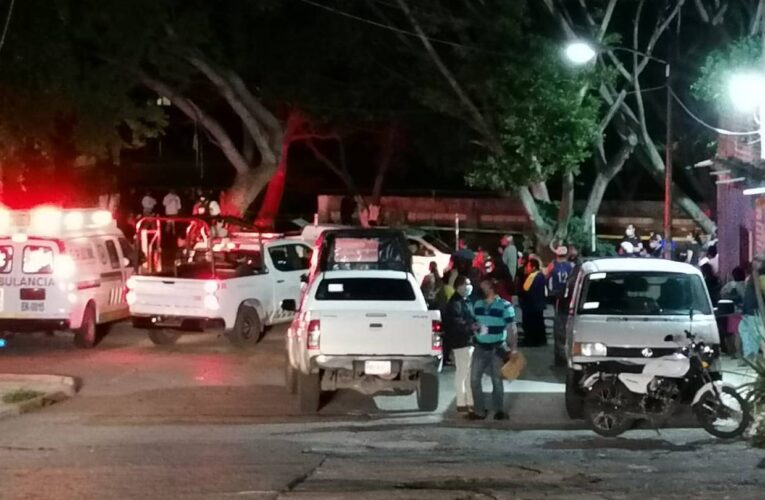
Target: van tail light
[[437, 345], [314, 334]]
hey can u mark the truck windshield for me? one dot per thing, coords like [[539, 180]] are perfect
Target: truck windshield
[[644, 294], [438, 244], [372, 289]]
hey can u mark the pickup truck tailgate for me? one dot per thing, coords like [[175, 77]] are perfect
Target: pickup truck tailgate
[[168, 296], [376, 333]]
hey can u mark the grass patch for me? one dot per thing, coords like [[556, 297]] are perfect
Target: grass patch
[[20, 395]]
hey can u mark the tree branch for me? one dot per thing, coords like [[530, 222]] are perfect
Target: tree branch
[[267, 153], [190, 109]]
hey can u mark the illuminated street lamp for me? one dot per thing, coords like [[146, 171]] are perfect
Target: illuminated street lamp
[[747, 94], [580, 52]]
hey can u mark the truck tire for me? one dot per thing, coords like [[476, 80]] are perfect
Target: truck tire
[[161, 336], [85, 336], [427, 392], [247, 330], [574, 397], [290, 378], [309, 393]]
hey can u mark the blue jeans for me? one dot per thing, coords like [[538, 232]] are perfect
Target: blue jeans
[[489, 362]]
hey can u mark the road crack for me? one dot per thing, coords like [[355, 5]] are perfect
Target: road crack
[[304, 477]]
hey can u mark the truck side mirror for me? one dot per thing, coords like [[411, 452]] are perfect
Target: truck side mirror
[[289, 305]]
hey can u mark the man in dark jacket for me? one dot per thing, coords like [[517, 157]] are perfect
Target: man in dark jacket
[[459, 325]]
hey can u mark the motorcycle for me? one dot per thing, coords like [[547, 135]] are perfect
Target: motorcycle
[[620, 393]]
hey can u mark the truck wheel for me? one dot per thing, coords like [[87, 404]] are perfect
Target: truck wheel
[[247, 329], [291, 378], [427, 392], [163, 337], [309, 392], [574, 397], [85, 335]]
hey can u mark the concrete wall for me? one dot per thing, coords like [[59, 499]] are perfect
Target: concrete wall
[[506, 214]]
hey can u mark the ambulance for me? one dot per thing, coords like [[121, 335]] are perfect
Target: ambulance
[[62, 269]]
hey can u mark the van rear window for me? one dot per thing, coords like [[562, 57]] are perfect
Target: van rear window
[[37, 260], [383, 289]]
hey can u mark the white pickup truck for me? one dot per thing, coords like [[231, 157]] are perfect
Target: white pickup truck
[[364, 329], [236, 283]]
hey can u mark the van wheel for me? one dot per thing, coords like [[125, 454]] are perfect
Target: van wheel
[[427, 392], [247, 330], [309, 392], [163, 337], [574, 397], [291, 378], [85, 335]]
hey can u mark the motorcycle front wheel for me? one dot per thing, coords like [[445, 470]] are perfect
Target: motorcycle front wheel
[[725, 415], [605, 408]]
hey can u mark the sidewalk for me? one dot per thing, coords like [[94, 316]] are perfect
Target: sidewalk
[[22, 393]]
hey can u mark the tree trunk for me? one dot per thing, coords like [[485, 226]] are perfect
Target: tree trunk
[[566, 209], [275, 192], [386, 156], [247, 186]]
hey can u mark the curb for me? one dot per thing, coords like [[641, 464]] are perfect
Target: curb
[[58, 389]]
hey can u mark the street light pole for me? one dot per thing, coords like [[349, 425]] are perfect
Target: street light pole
[[668, 168]]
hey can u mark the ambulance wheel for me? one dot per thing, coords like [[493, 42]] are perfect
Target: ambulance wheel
[[248, 329], [85, 335], [163, 337]]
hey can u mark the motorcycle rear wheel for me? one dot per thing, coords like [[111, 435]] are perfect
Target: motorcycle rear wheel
[[714, 412], [605, 408]]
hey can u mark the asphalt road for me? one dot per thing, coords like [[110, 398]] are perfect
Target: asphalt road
[[202, 420]]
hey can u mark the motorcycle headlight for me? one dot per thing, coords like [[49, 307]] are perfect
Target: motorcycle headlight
[[591, 349]]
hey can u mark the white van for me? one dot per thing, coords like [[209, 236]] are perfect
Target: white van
[[623, 310], [62, 270]]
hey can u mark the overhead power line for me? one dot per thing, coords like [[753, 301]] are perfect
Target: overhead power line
[[402, 31], [7, 24], [705, 124]]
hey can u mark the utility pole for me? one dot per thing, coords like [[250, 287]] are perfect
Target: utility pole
[[671, 47]]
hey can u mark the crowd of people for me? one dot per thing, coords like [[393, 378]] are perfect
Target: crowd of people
[[477, 296]]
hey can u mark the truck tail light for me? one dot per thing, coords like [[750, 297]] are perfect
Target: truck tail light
[[314, 334], [437, 345]]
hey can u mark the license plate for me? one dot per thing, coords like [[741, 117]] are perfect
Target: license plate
[[377, 367]]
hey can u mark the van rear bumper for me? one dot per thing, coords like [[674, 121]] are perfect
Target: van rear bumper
[[15, 325]]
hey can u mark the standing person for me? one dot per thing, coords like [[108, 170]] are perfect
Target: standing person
[[431, 284], [573, 256], [496, 325], [656, 245], [712, 282], [148, 203], [750, 330], [557, 278], [213, 208], [692, 252], [172, 203], [458, 332], [201, 207], [533, 304], [510, 257]]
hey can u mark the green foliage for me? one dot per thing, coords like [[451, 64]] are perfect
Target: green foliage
[[712, 85], [546, 121]]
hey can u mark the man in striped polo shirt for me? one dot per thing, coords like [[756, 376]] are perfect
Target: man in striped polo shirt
[[495, 325]]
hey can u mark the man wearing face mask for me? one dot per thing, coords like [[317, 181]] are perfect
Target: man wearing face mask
[[458, 331]]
